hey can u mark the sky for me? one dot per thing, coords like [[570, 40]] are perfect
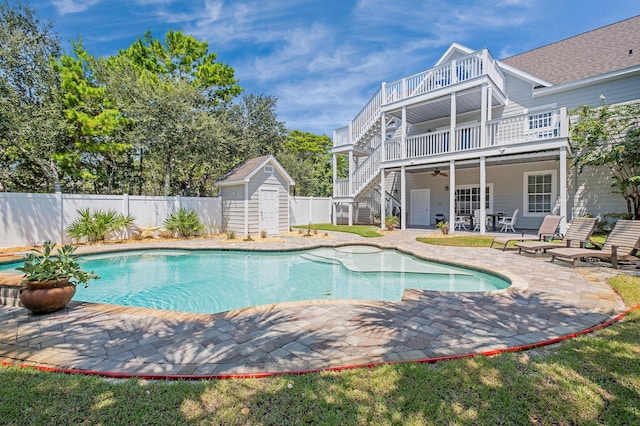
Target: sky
[[323, 60]]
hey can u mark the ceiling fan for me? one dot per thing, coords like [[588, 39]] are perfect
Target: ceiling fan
[[437, 172]]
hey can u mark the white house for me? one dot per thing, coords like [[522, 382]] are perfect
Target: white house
[[474, 132]]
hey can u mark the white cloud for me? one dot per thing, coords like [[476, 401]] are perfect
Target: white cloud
[[64, 7]]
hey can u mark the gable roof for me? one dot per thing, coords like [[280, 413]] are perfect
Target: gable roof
[[600, 51], [244, 171]]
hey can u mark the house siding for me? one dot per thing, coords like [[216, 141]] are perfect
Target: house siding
[[233, 208]]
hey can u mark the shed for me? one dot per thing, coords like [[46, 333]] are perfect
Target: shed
[[255, 197]]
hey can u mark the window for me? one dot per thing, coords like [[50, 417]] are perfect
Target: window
[[539, 192], [468, 198], [268, 169]]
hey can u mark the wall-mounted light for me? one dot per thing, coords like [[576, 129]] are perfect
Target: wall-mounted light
[[446, 188]]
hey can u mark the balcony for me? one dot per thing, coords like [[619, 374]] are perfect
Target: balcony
[[525, 128], [458, 71]]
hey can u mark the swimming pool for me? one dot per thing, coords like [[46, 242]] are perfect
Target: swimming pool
[[210, 281]]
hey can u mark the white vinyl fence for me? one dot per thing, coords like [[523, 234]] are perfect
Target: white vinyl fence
[[33, 218], [306, 210]]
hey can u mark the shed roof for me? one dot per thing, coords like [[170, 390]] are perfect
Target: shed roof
[[596, 52], [244, 171]]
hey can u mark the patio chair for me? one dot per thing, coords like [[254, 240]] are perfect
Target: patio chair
[[622, 243], [508, 222], [460, 223], [579, 232], [547, 230], [476, 220]]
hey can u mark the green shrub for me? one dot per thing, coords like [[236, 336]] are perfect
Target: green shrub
[[185, 223], [95, 226]]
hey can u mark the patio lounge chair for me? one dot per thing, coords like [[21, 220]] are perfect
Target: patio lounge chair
[[547, 230], [579, 232], [622, 243]]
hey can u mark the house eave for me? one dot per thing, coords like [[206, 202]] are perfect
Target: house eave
[[573, 85]]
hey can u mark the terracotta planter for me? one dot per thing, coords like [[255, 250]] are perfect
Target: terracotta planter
[[42, 297]]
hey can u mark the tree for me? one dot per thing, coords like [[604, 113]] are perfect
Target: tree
[[93, 121], [307, 158], [610, 136], [171, 92], [254, 127], [31, 116]]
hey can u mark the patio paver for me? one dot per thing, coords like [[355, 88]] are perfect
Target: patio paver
[[547, 301]]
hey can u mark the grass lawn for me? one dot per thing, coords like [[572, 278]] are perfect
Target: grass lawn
[[594, 379], [368, 231], [481, 241]]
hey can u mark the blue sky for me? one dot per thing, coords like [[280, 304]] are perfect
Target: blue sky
[[323, 60]]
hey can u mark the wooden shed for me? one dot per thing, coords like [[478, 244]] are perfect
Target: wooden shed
[[255, 197]]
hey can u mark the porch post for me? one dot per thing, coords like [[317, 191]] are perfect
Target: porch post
[[383, 135], [334, 164], [452, 127], [563, 189], [334, 211], [403, 199], [383, 199], [350, 173], [403, 140], [452, 196], [483, 116], [483, 195]]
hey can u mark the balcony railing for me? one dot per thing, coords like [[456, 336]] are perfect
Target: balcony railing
[[531, 127], [457, 71]]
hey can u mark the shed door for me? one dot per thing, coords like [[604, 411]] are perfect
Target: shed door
[[269, 210]]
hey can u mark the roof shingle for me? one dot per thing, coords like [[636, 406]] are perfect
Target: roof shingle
[[610, 48]]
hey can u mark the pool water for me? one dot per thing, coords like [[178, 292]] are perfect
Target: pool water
[[216, 281]]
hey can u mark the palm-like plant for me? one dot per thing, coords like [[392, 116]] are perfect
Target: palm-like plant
[[390, 222], [95, 226], [185, 223]]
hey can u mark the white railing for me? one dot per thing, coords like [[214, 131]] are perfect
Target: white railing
[[366, 171], [466, 68], [456, 71], [341, 187], [531, 127], [341, 137], [428, 144], [367, 117], [467, 137], [534, 126]]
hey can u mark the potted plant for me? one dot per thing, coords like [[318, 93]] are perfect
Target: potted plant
[[444, 227], [49, 280]]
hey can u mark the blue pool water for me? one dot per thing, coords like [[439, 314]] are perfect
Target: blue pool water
[[216, 281]]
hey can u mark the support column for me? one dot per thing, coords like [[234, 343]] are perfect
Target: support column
[[483, 196], [334, 164], [403, 198], [383, 135], [452, 196], [351, 214], [563, 189], [403, 140], [383, 199], [483, 116], [452, 126], [351, 170]]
